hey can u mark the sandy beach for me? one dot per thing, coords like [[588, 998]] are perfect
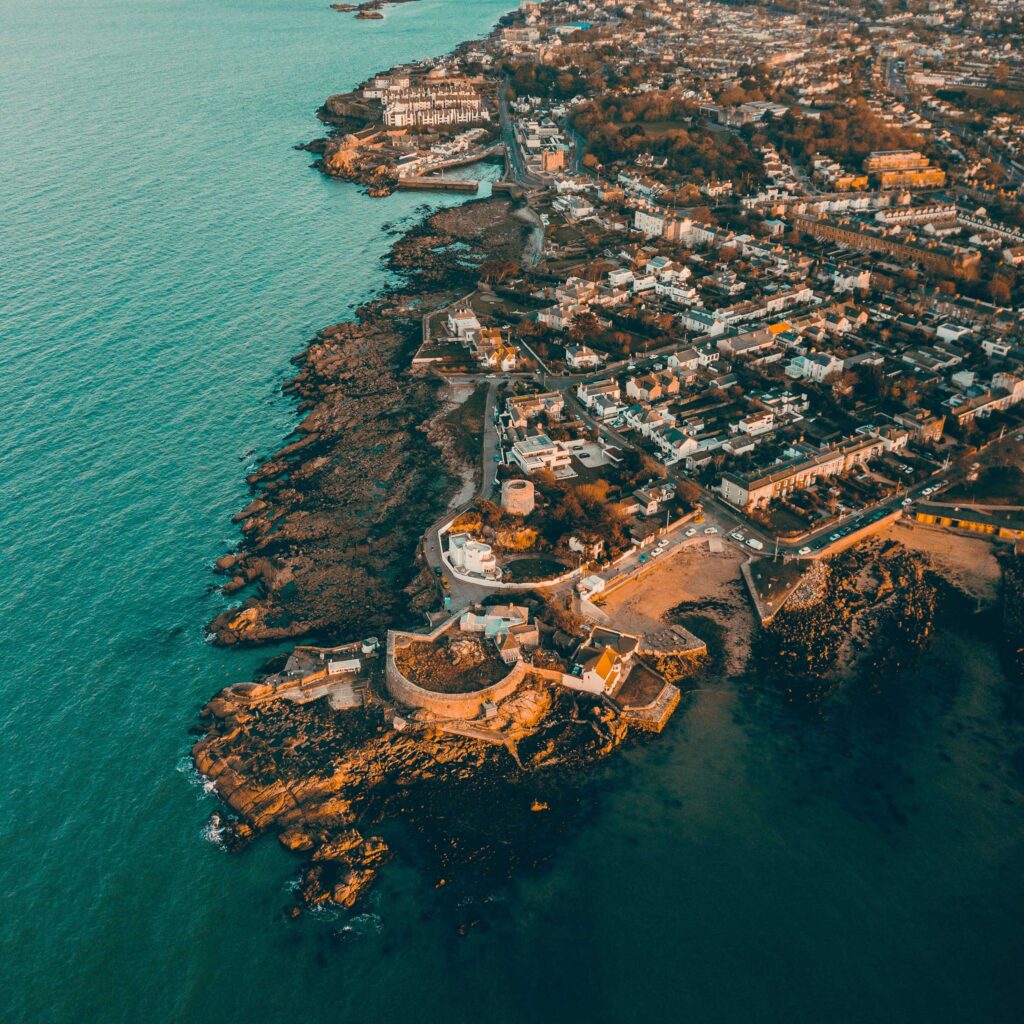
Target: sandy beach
[[967, 562], [712, 581]]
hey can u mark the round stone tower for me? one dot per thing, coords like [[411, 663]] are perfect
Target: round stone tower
[[517, 497]]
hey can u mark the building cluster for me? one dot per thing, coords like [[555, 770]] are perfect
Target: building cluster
[[430, 99], [810, 326]]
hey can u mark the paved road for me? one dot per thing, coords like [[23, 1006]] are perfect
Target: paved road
[[490, 445], [515, 162]]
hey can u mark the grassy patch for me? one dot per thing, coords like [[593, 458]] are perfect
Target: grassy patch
[[782, 521], [466, 423], [528, 570], [996, 485]]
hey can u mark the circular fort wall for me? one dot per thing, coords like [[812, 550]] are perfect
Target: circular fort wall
[[446, 705]]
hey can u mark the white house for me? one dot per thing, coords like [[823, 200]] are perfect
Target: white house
[[702, 321], [582, 358], [757, 424], [463, 324], [815, 367], [685, 359], [498, 619], [472, 556], [602, 672], [650, 223], [588, 393]]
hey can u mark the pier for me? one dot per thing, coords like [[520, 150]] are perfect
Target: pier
[[440, 184]]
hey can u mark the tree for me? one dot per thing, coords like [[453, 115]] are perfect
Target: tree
[[689, 493], [583, 326], [999, 290]]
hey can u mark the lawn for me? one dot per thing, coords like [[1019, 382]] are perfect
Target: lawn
[[783, 521], [530, 570]]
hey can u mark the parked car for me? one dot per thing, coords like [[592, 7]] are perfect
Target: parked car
[[755, 544], [835, 537], [804, 551], [736, 535], [710, 531], [907, 501], [691, 532], [928, 490]]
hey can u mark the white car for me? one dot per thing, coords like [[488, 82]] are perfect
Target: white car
[[804, 551], [656, 552], [928, 490], [691, 532], [736, 535], [710, 531], [755, 544], [907, 501]]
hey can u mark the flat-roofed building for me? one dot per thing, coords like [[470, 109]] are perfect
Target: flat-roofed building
[[540, 452]]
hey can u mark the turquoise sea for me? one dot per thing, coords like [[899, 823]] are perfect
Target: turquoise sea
[[164, 252]]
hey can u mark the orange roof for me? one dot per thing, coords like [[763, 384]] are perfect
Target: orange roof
[[606, 663], [779, 328]]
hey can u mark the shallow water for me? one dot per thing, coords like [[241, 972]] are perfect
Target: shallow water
[[165, 252]]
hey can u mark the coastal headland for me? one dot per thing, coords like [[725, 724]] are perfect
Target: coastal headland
[[538, 493]]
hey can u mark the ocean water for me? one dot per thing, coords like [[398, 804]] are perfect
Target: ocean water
[[164, 252]]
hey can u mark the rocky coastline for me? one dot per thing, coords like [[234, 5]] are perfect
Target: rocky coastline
[[330, 552], [330, 537], [325, 781]]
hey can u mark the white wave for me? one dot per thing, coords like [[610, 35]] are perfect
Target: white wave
[[187, 768], [213, 831]]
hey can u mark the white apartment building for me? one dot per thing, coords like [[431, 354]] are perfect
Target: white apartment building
[[540, 452]]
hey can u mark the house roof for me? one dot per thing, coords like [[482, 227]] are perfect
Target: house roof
[[623, 643], [605, 664]]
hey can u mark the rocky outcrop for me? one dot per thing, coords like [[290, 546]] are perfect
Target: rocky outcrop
[[320, 778]]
